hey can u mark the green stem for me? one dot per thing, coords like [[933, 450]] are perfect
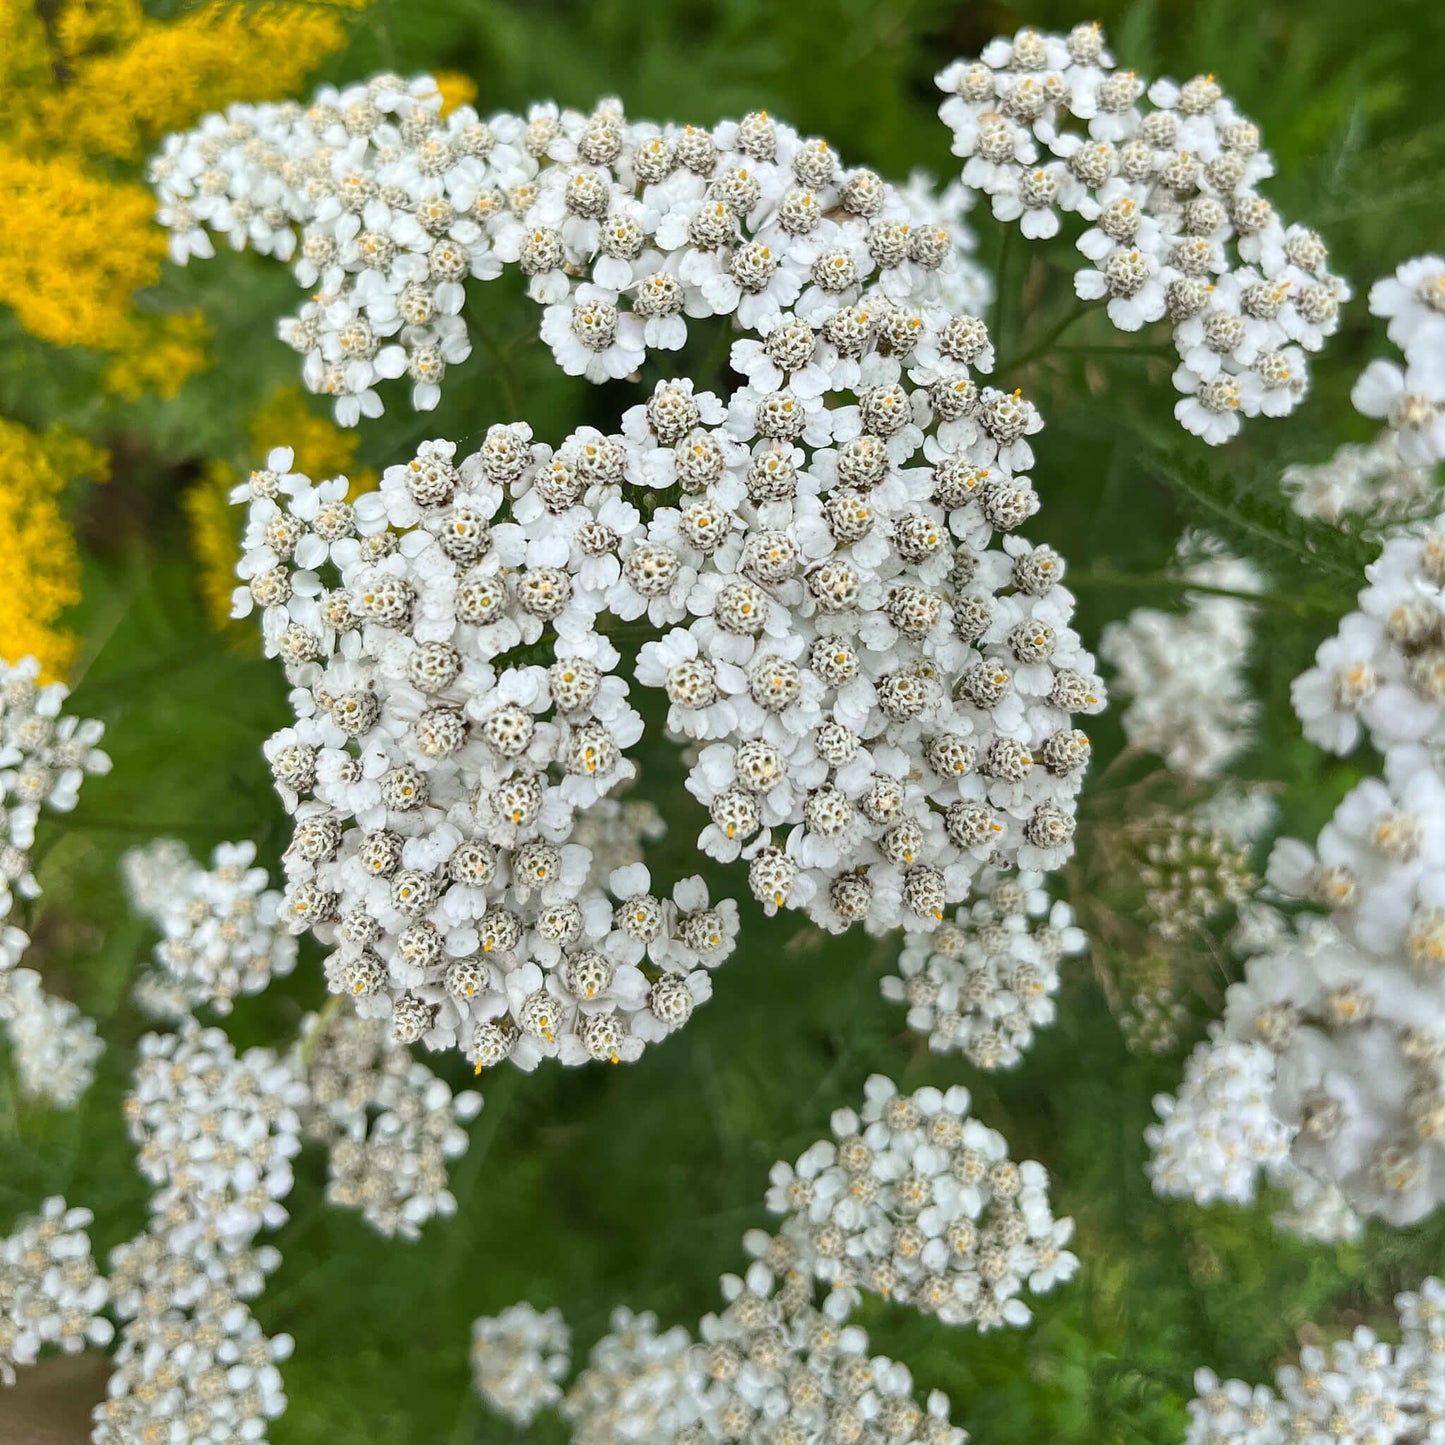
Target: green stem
[[318, 1027], [505, 374], [1042, 348], [1126, 581]]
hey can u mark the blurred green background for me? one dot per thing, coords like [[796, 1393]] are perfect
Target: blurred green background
[[602, 1187]]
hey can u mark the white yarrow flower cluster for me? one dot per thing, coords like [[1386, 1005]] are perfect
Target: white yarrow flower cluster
[[986, 979], [44, 758], [1410, 400], [624, 230], [914, 1201], [1360, 1389], [1367, 480], [390, 1126], [882, 700], [1183, 672], [216, 1135], [1220, 1131], [1349, 1011], [917, 1202], [770, 1366], [1165, 175], [638, 1384], [519, 1358], [50, 1291], [1383, 672], [221, 925], [53, 1046], [779, 1368], [205, 1372], [1394, 476]]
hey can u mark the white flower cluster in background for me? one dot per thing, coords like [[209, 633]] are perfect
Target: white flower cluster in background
[[1410, 400], [1165, 176], [915, 1201], [1383, 672], [1220, 1138], [1220, 1131], [1183, 672], [221, 926], [390, 1126], [44, 758], [1357, 1389], [1345, 1015], [1394, 476], [216, 1133], [1361, 479], [881, 698], [624, 230], [986, 979], [53, 1046], [638, 1384], [778, 1368], [770, 1366], [519, 1358], [51, 1293]]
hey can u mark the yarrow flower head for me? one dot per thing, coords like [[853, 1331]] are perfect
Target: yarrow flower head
[[1344, 1017], [518, 1359], [45, 755], [1166, 176], [1215, 1137], [625, 231], [883, 698], [390, 1126], [984, 981], [53, 1045], [216, 1133], [1183, 673], [1358, 1388], [1394, 476], [222, 936], [913, 1200], [51, 1294]]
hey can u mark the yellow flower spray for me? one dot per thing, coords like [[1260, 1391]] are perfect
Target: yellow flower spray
[[41, 575]]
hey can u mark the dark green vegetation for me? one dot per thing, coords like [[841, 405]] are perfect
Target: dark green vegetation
[[635, 1185]]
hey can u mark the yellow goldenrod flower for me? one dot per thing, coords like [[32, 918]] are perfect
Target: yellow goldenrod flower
[[455, 88], [27, 68], [87, 80], [73, 248], [167, 350], [84, 27], [41, 574], [117, 104]]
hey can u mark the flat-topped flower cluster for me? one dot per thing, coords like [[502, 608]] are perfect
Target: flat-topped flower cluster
[[882, 699], [624, 230], [773, 1365], [986, 978], [913, 1200], [1166, 177], [1360, 1388]]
